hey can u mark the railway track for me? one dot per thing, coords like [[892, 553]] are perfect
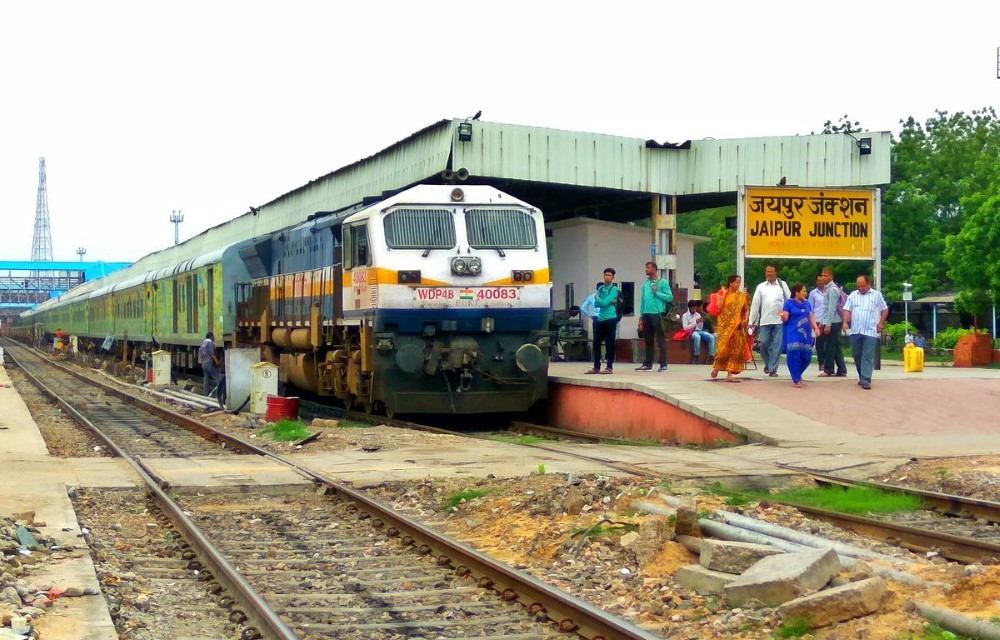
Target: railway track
[[334, 563], [958, 528], [930, 530], [130, 426]]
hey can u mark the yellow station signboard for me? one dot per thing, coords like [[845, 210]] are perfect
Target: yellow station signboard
[[821, 223]]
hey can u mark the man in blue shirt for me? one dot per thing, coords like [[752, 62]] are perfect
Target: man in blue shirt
[[209, 363]]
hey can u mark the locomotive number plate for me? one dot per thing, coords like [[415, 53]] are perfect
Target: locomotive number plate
[[471, 296]]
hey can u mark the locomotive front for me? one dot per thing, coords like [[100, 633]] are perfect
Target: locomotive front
[[452, 287]]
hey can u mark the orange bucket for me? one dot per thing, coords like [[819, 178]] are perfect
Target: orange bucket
[[279, 408]]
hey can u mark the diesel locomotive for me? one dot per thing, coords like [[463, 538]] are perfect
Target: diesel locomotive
[[435, 299]]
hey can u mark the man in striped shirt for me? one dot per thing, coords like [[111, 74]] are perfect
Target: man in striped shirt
[[864, 316]]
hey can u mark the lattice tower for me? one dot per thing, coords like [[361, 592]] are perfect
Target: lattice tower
[[41, 244]]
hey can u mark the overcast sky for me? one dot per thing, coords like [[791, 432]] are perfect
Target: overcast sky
[[143, 108]]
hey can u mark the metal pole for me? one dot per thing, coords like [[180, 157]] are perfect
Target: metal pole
[[994, 321], [177, 219]]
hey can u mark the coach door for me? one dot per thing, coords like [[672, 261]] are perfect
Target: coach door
[[357, 257], [210, 300]]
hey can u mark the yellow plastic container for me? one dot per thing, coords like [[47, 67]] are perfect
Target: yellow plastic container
[[913, 359]]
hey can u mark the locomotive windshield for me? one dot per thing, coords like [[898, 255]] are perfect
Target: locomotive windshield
[[420, 229], [500, 229]]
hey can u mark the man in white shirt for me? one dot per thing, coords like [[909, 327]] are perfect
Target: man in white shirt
[[768, 299], [817, 300], [693, 321], [864, 317]]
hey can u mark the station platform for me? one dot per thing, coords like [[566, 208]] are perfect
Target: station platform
[[33, 481], [939, 412]]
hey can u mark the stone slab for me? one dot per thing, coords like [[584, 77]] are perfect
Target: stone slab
[[829, 606], [732, 557], [777, 579], [701, 580]]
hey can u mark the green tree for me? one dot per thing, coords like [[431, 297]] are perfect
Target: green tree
[[973, 254], [933, 166]]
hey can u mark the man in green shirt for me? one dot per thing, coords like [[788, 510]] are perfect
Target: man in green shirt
[[653, 301]]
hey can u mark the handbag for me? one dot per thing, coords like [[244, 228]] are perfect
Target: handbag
[[713, 303], [682, 334]]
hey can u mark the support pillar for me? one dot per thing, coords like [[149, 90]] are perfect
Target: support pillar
[[663, 250]]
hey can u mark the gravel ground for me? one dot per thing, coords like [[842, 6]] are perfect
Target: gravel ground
[[150, 591]]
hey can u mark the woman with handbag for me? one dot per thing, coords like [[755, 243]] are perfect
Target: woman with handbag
[[731, 329], [799, 332]]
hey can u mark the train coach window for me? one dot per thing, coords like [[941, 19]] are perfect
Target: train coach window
[[500, 229], [419, 229]]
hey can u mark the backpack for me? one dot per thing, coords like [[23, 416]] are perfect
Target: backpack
[[620, 305]]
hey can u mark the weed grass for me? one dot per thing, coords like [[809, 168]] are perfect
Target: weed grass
[[794, 628], [285, 430], [601, 530], [853, 500], [932, 631], [459, 497]]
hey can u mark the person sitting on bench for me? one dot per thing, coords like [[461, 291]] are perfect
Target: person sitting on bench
[[693, 321]]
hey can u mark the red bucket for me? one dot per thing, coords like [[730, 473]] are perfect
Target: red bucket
[[279, 408]]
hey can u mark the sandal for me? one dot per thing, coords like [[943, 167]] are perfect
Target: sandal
[[715, 373], [608, 372], [590, 371]]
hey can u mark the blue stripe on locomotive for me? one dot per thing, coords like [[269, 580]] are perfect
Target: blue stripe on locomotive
[[466, 320]]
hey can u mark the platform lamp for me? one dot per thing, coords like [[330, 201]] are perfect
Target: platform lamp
[[177, 219], [81, 251]]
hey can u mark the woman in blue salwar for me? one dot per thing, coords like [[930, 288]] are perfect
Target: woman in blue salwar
[[800, 333]]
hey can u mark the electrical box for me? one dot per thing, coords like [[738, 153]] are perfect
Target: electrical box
[[161, 368], [263, 382]]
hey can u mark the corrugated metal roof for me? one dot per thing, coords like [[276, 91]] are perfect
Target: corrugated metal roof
[[709, 166], [561, 172]]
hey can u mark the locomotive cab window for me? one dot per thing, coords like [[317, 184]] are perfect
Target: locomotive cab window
[[356, 246], [412, 228], [500, 229]]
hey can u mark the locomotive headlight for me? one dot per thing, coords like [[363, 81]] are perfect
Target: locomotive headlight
[[522, 276], [459, 266], [409, 277], [475, 266]]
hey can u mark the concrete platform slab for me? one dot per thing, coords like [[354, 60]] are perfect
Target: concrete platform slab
[[905, 415], [223, 471], [30, 480]]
